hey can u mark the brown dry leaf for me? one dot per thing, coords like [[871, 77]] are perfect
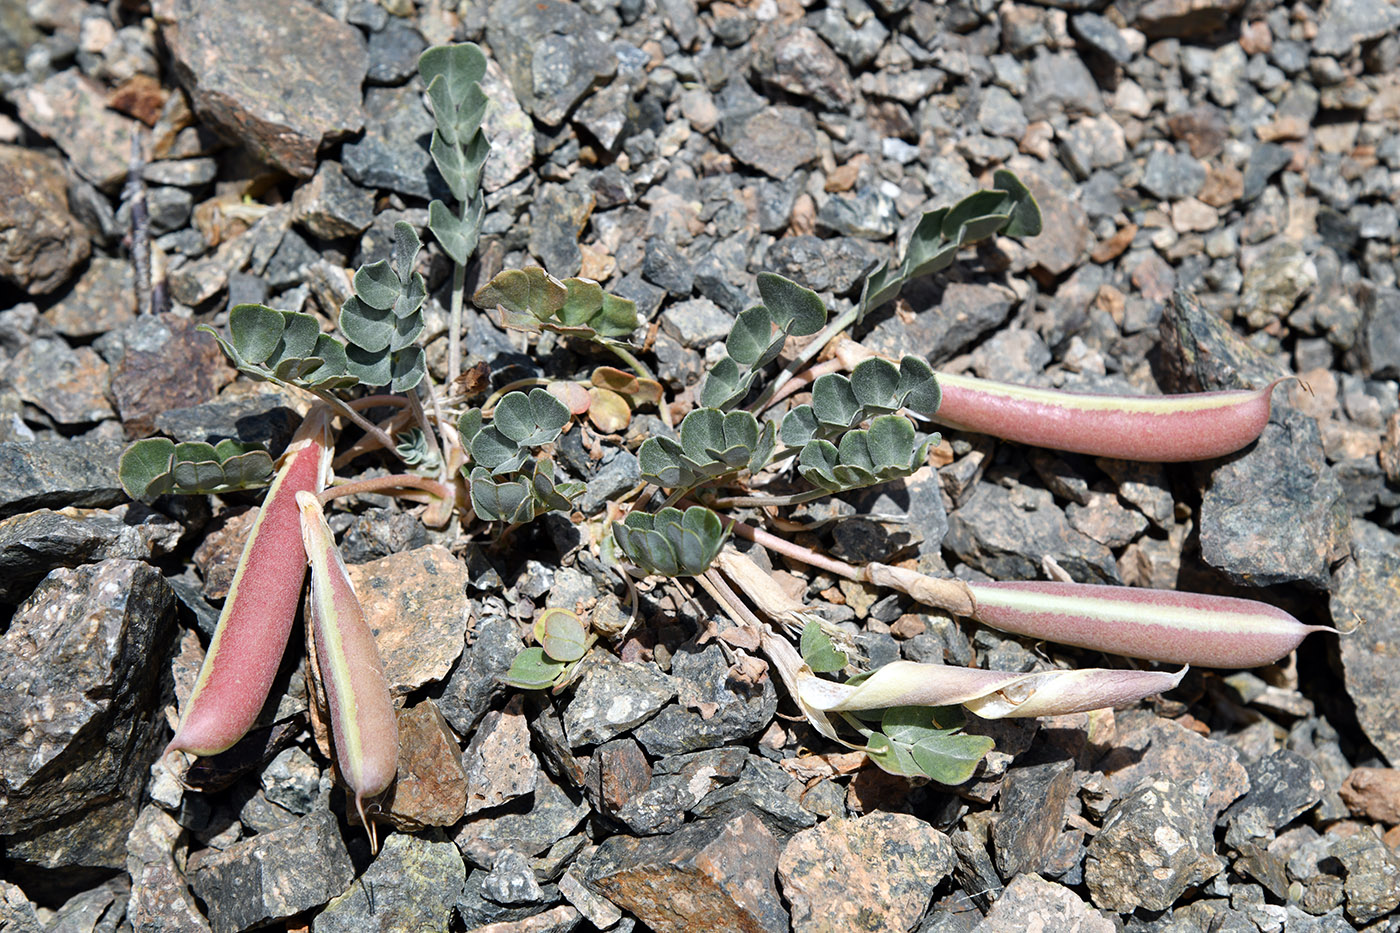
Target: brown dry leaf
[[572, 394]]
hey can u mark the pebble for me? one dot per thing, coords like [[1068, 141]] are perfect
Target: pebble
[[1374, 794], [431, 787], [1030, 902], [713, 710], [71, 109], [393, 151], [412, 884], [492, 645], [553, 54], [41, 243], [614, 697], [1366, 589]]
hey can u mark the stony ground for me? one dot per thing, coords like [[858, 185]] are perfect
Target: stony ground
[[1218, 179]]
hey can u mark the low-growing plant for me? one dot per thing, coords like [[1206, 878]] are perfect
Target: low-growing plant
[[865, 424]]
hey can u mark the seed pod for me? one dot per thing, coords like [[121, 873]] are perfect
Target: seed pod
[[1161, 429], [260, 608], [363, 724], [1159, 625]]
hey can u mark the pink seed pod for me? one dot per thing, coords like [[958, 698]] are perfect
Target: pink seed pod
[[363, 723], [1158, 625], [260, 608], [1159, 429]]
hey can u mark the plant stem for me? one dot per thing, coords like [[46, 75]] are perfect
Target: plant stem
[[386, 485], [721, 592], [640, 369], [364, 424], [377, 401], [797, 384], [846, 319], [454, 320], [739, 502], [368, 442]]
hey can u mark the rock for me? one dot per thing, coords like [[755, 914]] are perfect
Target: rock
[[1102, 36], [431, 785], [801, 63], [1282, 786], [553, 815], [874, 872], [1062, 245], [613, 697], [33, 543], [164, 363], [393, 53], [719, 870], [1000, 114], [1348, 23], [511, 881], [393, 152], [1148, 746], [491, 647], [615, 477], [18, 35], [160, 898], [54, 472], [1372, 876], [377, 533], [1155, 843], [776, 140], [1058, 82], [553, 53], [663, 265], [499, 764], [196, 282], [102, 299], [1172, 175], [478, 912], [1143, 485], [258, 413], [712, 709], [697, 323], [1274, 282], [1184, 18], [1368, 587], [1031, 814], [1004, 532], [1032, 903], [1264, 162], [1378, 348], [1104, 520], [557, 216], [1374, 794], [412, 884], [41, 243], [943, 328], [330, 206], [71, 109], [617, 772], [282, 78], [838, 264], [273, 875], [69, 385], [81, 674], [869, 214], [416, 605]]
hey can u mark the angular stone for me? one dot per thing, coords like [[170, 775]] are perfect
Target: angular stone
[[719, 870], [258, 413], [613, 697], [1155, 843], [41, 243], [71, 109], [1148, 746], [18, 35], [552, 816], [1004, 532], [1378, 349], [838, 264], [430, 788], [1374, 794], [1032, 903], [697, 323], [1172, 175], [557, 217], [1032, 813], [1282, 786], [1368, 587], [713, 710], [1060, 83], [160, 899], [776, 140], [944, 327], [331, 206], [412, 884], [69, 385], [416, 605], [1348, 23], [801, 63], [54, 472], [1372, 876], [273, 875], [874, 872], [1184, 18], [617, 772], [165, 363], [553, 53], [393, 152], [103, 299], [282, 78], [499, 764], [492, 645], [81, 669], [36, 542], [393, 53]]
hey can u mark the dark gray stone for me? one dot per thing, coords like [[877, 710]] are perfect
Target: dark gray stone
[[393, 151], [1154, 844], [613, 697], [412, 884], [664, 265], [477, 910], [557, 214], [1005, 532], [511, 881], [1058, 82], [376, 533], [869, 214], [1372, 876], [616, 476], [697, 323], [838, 264], [1379, 345], [554, 53], [712, 710], [273, 875], [1365, 588], [776, 140], [553, 815], [1031, 814], [1172, 175], [266, 417], [393, 53], [1101, 35], [474, 682], [1282, 786], [1000, 114], [1148, 747], [33, 543], [1264, 161], [799, 62], [944, 325], [331, 206]]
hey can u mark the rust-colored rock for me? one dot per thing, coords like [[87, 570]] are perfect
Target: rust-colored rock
[[69, 385], [71, 109], [431, 787], [498, 762], [41, 244], [1374, 793], [166, 364]]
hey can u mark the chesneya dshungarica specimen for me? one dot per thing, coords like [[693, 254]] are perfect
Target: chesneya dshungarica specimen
[[261, 605], [364, 726]]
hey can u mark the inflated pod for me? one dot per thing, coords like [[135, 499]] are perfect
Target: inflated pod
[[364, 727], [1161, 428], [261, 605], [1158, 625]]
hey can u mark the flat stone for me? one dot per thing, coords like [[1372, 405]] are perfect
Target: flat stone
[[614, 697], [1172, 175], [1273, 284], [499, 764], [69, 385], [165, 363], [196, 282], [801, 63], [713, 710], [1155, 843], [393, 53], [1348, 23], [54, 472], [1372, 876], [412, 884], [1143, 485], [869, 214], [258, 413], [1378, 348], [1148, 746], [558, 214], [102, 299], [553, 54], [331, 206], [1058, 82], [416, 605], [1368, 587], [160, 898], [182, 173], [553, 815], [81, 668], [664, 265], [719, 870], [1104, 520], [282, 78], [1374, 794], [1031, 814], [618, 772], [71, 109], [943, 327], [430, 788], [1184, 18], [1031, 903], [34, 543], [492, 645], [697, 323], [1282, 786], [874, 872], [837, 264], [273, 875], [41, 243], [1004, 532], [776, 140]]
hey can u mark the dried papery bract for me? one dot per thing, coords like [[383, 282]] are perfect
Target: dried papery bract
[[261, 606], [364, 727]]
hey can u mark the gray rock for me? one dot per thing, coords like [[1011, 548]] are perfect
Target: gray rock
[[412, 884], [712, 710], [1378, 348], [160, 897], [33, 543], [1101, 35], [838, 264], [557, 214], [474, 683], [1264, 162], [1348, 23], [663, 265], [919, 499], [18, 35], [697, 323], [553, 815], [182, 173], [1031, 814], [101, 300], [393, 152], [1005, 532], [616, 476], [1154, 844], [274, 875], [869, 214], [69, 385], [331, 206], [1032, 903], [613, 697], [1372, 876], [266, 416], [776, 140], [1058, 82], [71, 109], [608, 113], [1273, 284], [1282, 786], [393, 53], [511, 881], [1364, 588], [801, 63], [553, 54], [41, 243], [1143, 485], [283, 114], [681, 20], [944, 327], [1184, 18], [376, 533], [857, 44], [1172, 175], [476, 910], [1104, 520], [1148, 747], [80, 686], [1000, 114]]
